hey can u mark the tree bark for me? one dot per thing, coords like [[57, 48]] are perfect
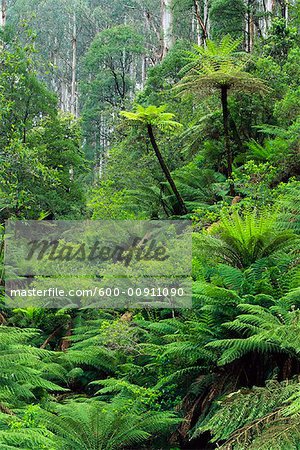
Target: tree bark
[[228, 151], [5, 410], [268, 6], [167, 25], [181, 206], [73, 108], [3, 13], [206, 17], [249, 29], [52, 335], [200, 22], [285, 11], [144, 71], [65, 342]]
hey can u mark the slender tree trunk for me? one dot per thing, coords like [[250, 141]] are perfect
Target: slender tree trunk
[[228, 151], [65, 343], [51, 336], [251, 32], [182, 208], [144, 71], [285, 12], [74, 67], [63, 96], [269, 8], [200, 22], [3, 13], [249, 29], [167, 25], [206, 17], [54, 59], [197, 28]]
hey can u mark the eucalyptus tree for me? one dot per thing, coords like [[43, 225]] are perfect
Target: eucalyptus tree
[[167, 21], [109, 79], [3, 13], [63, 30], [38, 145]]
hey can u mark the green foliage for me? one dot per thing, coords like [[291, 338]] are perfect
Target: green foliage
[[224, 374], [254, 418], [281, 39], [268, 332], [219, 65], [108, 204], [39, 146], [241, 241], [24, 369], [227, 17], [108, 426], [152, 115]]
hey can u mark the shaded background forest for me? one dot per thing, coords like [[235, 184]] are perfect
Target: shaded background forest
[[154, 110]]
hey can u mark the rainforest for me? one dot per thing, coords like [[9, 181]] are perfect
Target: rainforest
[[150, 111]]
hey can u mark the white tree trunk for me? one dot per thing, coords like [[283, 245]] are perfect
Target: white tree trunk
[[286, 12], [196, 27], [206, 17], [249, 27], [65, 97], [54, 77], [144, 71], [267, 8], [167, 25], [202, 21], [74, 67], [3, 13]]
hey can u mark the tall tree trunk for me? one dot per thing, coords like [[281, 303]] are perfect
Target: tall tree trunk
[[285, 11], [74, 67], [197, 28], [3, 13], [54, 59], [228, 151], [249, 33], [182, 208], [200, 22], [143, 71], [206, 17], [268, 8], [167, 25]]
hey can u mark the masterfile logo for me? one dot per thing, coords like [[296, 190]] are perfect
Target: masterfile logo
[[143, 261]]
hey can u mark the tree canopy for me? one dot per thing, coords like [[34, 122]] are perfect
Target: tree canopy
[[154, 110]]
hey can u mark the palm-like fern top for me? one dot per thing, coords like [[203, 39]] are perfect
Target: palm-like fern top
[[218, 65]]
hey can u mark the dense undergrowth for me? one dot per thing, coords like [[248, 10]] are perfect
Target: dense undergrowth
[[213, 137]]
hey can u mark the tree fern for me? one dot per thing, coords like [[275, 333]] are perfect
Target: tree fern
[[241, 240], [250, 418], [265, 330], [289, 207], [23, 367], [105, 426]]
